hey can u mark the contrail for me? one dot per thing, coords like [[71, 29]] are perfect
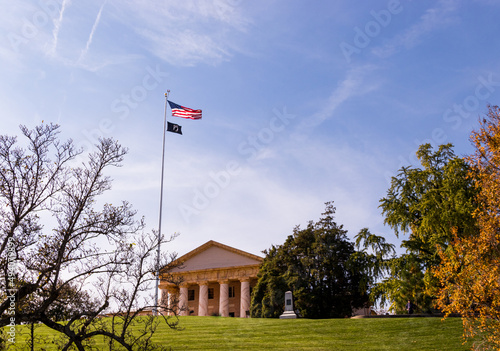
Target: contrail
[[57, 26], [91, 36]]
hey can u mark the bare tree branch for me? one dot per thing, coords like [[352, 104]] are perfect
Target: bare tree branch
[[54, 243]]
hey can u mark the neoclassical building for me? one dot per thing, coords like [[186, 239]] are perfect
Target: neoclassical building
[[213, 279]]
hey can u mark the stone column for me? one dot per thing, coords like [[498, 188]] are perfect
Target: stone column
[[169, 297], [168, 301], [245, 298], [164, 299], [224, 298], [183, 300], [161, 295], [203, 299]]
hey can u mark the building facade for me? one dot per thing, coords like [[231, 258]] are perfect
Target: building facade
[[213, 279]]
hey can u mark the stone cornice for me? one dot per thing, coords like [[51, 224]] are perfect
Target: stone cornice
[[178, 262], [213, 275]]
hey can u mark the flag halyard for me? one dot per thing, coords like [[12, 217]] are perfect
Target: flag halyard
[[184, 112]]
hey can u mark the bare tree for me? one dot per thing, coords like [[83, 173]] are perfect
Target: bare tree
[[64, 262]]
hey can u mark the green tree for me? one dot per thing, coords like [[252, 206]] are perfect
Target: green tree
[[426, 204], [373, 257], [318, 265], [404, 281]]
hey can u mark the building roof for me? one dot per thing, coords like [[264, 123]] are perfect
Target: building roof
[[212, 255]]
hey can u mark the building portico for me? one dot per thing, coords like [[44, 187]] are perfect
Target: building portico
[[213, 279]]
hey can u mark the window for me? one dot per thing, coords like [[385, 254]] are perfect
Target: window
[[231, 292], [191, 295], [210, 293]]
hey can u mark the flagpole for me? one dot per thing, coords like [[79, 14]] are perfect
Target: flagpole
[[155, 311]]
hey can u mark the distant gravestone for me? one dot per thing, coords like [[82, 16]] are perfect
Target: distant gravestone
[[289, 313]]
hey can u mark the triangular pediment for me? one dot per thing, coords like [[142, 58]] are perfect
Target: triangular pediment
[[213, 255]]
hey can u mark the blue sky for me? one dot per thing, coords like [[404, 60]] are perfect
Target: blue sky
[[303, 102]]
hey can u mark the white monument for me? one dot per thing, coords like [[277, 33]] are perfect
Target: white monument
[[289, 313]]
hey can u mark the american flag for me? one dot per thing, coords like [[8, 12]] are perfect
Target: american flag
[[184, 112]]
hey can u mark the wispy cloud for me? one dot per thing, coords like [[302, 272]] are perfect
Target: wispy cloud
[[57, 27], [189, 32], [434, 18], [186, 48], [91, 36], [352, 85], [182, 33]]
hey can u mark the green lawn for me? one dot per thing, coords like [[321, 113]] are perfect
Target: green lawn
[[216, 333]]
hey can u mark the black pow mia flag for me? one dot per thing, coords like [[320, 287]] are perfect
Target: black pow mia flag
[[174, 128]]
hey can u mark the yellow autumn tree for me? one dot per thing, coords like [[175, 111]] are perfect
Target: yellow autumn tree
[[470, 269]]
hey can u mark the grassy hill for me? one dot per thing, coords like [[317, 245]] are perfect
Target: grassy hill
[[216, 333]]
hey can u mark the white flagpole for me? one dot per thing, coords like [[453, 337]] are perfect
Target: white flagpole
[[155, 311]]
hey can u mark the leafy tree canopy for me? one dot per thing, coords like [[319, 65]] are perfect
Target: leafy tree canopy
[[426, 204], [319, 266]]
